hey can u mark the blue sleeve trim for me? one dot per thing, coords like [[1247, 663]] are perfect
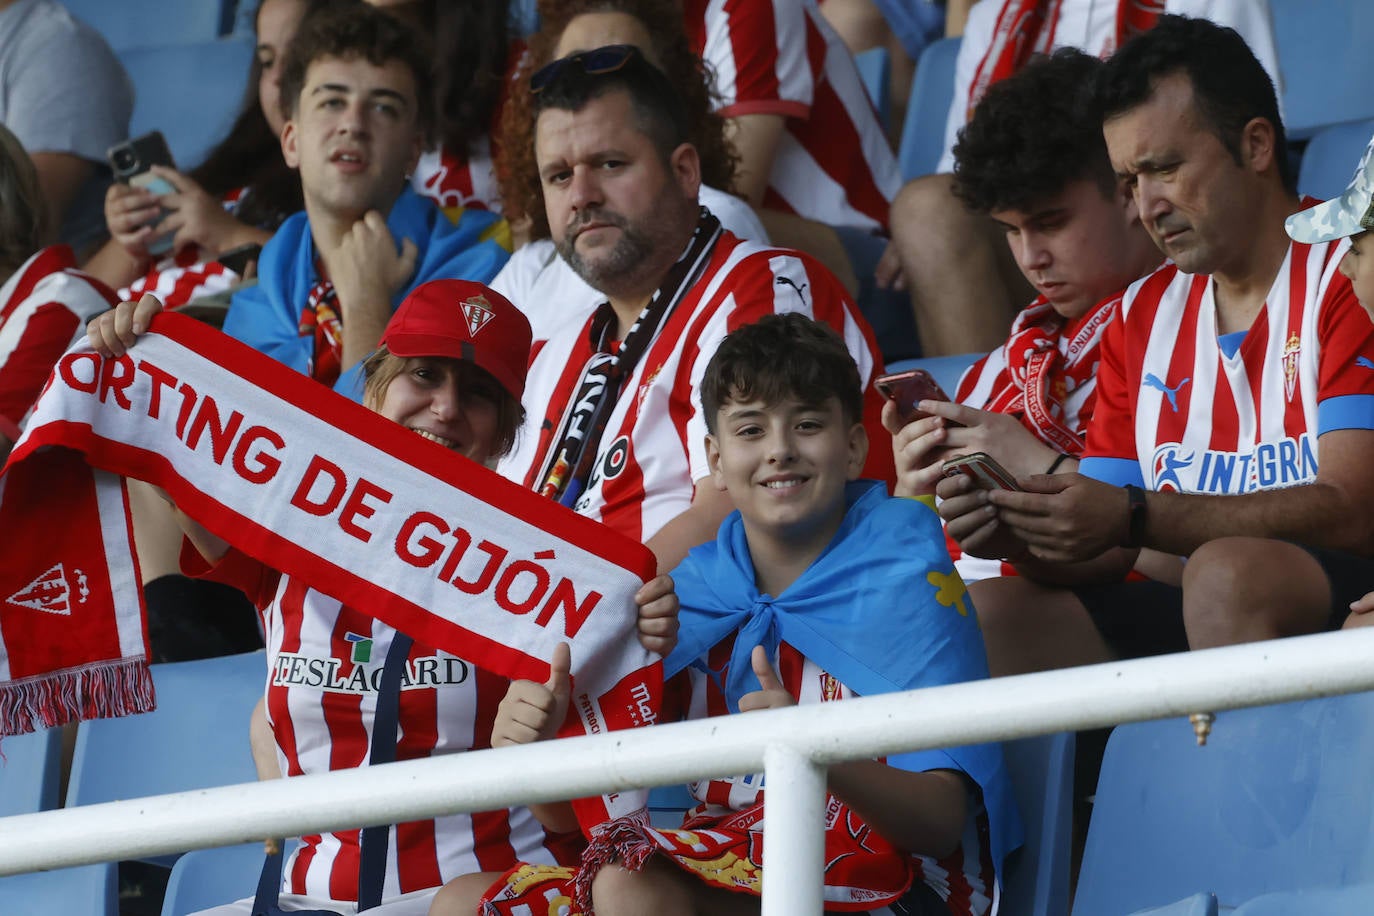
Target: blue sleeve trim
[[1116, 471], [1350, 411]]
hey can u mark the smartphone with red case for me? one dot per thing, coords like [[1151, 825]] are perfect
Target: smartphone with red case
[[987, 474], [908, 389]]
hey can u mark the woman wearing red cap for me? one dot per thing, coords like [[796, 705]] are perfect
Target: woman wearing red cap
[[451, 368]]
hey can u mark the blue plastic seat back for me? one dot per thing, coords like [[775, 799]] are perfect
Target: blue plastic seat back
[[927, 109], [874, 68], [1329, 161], [204, 878], [1036, 878], [29, 773], [1325, 62], [1278, 799], [152, 23], [1192, 905], [89, 890], [190, 92], [196, 738], [1356, 900]]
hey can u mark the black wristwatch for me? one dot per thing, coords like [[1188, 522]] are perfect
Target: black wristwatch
[[1135, 531]]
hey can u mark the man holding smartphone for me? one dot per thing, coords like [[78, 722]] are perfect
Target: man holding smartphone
[[355, 90], [1234, 413], [1033, 159]]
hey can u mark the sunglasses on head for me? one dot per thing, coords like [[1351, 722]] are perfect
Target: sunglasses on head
[[593, 63]]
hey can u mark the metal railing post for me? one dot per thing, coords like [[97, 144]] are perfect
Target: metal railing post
[[793, 833]]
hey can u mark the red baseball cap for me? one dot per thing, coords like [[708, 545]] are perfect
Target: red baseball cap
[[460, 319]]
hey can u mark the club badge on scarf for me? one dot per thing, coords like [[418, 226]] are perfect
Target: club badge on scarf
[[315, 486]]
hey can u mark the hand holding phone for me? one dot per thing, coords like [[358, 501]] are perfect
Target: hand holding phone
[[132, 163], [986, 473], [909, 388]]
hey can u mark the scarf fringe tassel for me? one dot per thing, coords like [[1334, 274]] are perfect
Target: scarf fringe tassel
[[623, 840], [123, 687]]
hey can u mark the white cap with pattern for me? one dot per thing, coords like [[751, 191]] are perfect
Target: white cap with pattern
[[1349, 214]]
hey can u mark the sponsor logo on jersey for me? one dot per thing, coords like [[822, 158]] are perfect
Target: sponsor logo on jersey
[[1266, 466], [800, 290], [51, 592], [362, 648], [1292, 349], [334, 675], [1155, 382], [1364, 362], [617, 456]]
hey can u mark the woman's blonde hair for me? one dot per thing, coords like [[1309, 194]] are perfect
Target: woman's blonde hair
[[23, 211]]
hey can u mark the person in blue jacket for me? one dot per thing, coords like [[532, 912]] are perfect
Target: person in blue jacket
[[355, 91]]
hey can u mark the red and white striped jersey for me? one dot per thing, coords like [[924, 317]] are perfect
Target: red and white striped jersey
[[1091, 26], [653, 448], [834, 163], [1175, 412], [324, 665], [44, 307], [459, 181], [964, 879], [184, 275]]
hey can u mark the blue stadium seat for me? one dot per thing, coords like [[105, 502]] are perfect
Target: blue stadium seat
[[1356, 900], [923, 133], [1279, 799], [1325, 62], [30, 772], [190, 92], [89, 890], [1036, 880], [946, 369], [1196, 905], [130, 24], [875, 66], [1329, 161], [196, 738], [210, 877]]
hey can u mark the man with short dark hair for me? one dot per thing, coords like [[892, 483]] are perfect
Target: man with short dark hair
[[1234, 413], [615, 427], [355, 89]]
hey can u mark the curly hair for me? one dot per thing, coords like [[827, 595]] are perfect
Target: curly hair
[[516, 169], [779, 358], [358, 30], [1230, 86], [1032, 134]]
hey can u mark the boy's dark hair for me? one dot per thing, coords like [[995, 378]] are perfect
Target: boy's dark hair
[[781, 357], [357, 30], [658, 110], [1032, 134], [1230, 86]]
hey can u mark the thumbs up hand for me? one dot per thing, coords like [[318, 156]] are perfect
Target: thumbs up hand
[[772, 694], [532, 711]]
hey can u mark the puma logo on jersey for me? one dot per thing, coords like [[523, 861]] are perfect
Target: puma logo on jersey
[[788, 281], [1153, 381], [1364, 362]]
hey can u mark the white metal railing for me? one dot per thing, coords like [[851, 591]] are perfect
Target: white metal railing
[[792, 746]]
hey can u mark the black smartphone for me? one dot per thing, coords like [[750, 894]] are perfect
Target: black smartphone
[[132, 162]]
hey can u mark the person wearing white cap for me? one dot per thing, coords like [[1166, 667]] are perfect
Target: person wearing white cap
[[1349, 216]]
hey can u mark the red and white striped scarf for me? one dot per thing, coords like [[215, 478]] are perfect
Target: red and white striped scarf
[[315, 486], [1026, 27]]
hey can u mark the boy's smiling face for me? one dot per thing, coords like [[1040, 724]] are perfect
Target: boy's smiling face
[[1358, 266], [785, 467]]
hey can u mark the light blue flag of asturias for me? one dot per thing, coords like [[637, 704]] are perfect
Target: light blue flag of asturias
[[882, 609]]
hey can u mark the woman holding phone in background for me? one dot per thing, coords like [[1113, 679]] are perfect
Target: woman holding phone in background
[[235, 198]]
